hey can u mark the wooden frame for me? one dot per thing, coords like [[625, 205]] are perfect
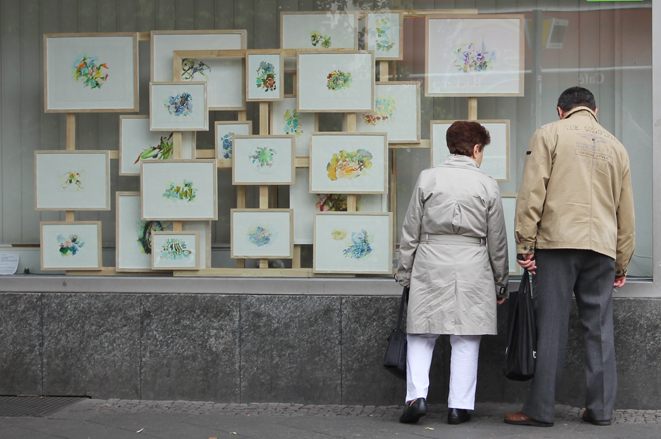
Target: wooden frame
[[163, 126], [464, 85], [303, 119], [49, 195], [191, 226], [238, 169], [246, 225], [66, 89], [306, 18], [81, 248], [379, 55], [251, 95], [515, 269], [224, 162], [156, 259]]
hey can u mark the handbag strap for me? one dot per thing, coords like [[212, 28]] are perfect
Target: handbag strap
[[404, 300]]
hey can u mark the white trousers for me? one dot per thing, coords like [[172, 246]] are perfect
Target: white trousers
[[463, 368]]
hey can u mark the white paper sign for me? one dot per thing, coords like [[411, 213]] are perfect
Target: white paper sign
[[8, 263]]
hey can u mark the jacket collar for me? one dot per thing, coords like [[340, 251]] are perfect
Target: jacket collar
[[460, 160], [581, 109]]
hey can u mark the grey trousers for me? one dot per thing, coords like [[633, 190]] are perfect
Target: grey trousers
[[590, 276]]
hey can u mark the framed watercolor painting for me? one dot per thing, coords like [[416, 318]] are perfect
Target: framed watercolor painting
[[352, 242], [70, 245], [335, 82], [304, 204], [319, 30], [179, 190], [348, 163], [384, 34], [91, 72], [262, 234], [285, 119], [203, 229], [509, 209], [138, 143], [72, 180], [178, 106], [496, 160], [225, 132], [175, 251], [263, 160], [396, 112], [264, 72], [474, 55]]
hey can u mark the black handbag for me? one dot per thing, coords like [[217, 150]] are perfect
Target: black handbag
[[521, 348], [395, 359]]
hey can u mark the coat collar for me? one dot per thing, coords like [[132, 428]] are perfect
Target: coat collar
[[581, 109], [460, 160]]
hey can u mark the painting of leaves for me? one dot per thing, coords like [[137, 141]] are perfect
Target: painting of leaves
[[71, 245], [384, 109], [179, 105], [90, 71], [338, 80], [175, 249], [72, 180], [349, 165], [322, 40], [162, 151], [383, 42], [472, 58], [145, 233], [262, 158], [184, 192], [191, 67], [266, 76]]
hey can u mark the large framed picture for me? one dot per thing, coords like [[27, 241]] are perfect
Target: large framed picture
[[95, 72], [70, 245], [348, 163], [175, 251], [263, 160], [509, 210], [348, 242], [138, 143], [262, 234], [496, 160], [335, 82], [285, 119], [264, 72], [474, 55], [225, 132], [384, 34], [319, 30], [179, 190], [396, 112], [178, 106], [72, 180]]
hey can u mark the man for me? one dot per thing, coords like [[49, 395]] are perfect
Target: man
[[574, 230]]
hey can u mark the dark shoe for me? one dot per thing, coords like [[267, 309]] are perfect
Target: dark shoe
[[519, 418], [587, 418], [414, 411], [458, 416]]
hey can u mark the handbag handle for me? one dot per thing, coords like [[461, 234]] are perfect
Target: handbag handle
[[405, 299]]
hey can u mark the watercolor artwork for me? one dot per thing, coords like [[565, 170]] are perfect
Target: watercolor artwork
[[225, 78], [474, 55], [259, 160], [383, 35], [266, 77], [90, 71], [396, 112], [194, 70], [71, 245], [265, 71], [225, 132], [286, 119], [262, 233], [319, 30], [72, 180], [178, 106], [349, 165], [203, 229], [182, 192], [353, 242], [338, 80], [175, 251], [317, 39]]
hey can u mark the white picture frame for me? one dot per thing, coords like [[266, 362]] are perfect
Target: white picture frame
[[285, 119], [91, 72], [496, 159], [72, 180], [265, 71], [175, 251], [384, 34], [262, 233], [225, 132], [136, 139], [324, 30], [179, 190], [396, 112], [509, 211], [178, 106], [263, 160], [338, 82], [68, 245], [352, 242], [360, 163]]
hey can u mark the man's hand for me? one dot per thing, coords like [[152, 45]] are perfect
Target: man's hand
[[501, 301], [619, 281], [528, 262]]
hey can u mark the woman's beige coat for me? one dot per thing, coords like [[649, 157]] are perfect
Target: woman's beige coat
[[454, 285]]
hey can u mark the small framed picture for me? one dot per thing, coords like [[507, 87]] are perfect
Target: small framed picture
[[262, 233], [179, 190], [138, 143], [225, 132], [91, 72], [71, 245], [203, 229], [396, 112], [348, 242], [335, 82], [178, 106], [264, 73], [496, 160], [72, 180], [348, 163], [509, 210], [263, 160], [285, 119], [319, 30], [175, 251], [384, 34]]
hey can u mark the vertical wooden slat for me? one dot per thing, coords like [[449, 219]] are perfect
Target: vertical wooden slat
[[266, 20], [263, 197], [224, 14], [243, 19], [165, 15], [472, 108], [204, 14], [141, 12], [184, 14]]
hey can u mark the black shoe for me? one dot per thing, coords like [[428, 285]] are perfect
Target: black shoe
[[599, 422], [458, 416], [414, 411]]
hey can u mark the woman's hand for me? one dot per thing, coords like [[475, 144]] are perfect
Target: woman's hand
[[501, 301]]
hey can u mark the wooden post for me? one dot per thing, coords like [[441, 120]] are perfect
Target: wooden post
[[69, 215], [241, 191], [472, 108], [383, 71], [263, 190]]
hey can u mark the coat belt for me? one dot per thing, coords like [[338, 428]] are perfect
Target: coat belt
[[427, 238]]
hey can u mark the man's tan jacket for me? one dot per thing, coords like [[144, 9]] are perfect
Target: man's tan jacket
[[576, 191]]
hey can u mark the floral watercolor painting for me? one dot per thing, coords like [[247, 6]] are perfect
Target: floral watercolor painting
[[175, 249], [185, 192], [338, 80], [162, 151], [317, 39], [191, 67], [260, 236], [266, 76], [90, 71], [72, 180], [471, 59], [179, 105], [349, 165], [338, 234], [292, 123], [359, 247], [226, 144], [384, 108], [383, 41], [262, 158], [70, 246], [145, 231]]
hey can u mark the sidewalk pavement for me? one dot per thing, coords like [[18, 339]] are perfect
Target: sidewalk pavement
[[118, 419]]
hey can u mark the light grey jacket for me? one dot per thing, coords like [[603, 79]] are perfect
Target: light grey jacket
[[455, 280]]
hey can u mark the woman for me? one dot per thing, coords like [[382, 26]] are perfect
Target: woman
[[453, 253]]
